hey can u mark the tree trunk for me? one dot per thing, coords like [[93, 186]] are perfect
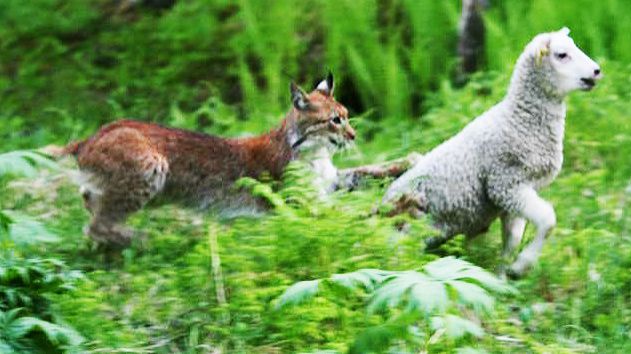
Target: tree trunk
[[471, 41]]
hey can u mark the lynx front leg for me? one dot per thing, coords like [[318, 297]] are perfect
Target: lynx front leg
[[109, 232], [349, 178]]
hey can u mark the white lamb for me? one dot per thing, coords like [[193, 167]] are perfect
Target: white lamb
[[496, 164]]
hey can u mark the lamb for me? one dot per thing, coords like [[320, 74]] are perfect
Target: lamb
[[496, 165]]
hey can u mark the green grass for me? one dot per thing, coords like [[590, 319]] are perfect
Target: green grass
[[224, 67], [162, 293]]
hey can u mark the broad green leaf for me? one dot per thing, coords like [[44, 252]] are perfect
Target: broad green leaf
[[456, 327], [24, 163], [56, 334], [487, 280], [5, 348], [469, 350], [368, 278], [25, 230], [392, 292], [428, 297], [298, 293], [473, 295], [446, 268]]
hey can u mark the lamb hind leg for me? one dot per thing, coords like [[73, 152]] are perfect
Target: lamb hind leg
[[541, 214]]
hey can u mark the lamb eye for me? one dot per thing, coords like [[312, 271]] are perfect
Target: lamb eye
[[336, 120], [561, 55]]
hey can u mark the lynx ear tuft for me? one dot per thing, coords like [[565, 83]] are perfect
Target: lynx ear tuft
[[326, 86], [298, 97]]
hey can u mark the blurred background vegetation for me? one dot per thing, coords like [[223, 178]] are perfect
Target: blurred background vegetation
[[89, 61], [224, 67]]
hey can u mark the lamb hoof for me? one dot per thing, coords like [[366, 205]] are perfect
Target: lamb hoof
[[518, 269], [512, 274], [433, 243], [501, 272]]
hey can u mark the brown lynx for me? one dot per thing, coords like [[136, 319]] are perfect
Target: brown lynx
[[128, 163]]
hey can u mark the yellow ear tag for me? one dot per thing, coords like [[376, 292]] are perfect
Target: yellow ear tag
[[542, 53]]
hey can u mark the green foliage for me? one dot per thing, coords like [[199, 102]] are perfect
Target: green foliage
[[162, 296], [91, 61], [596, 27], [75, 64], [24, 230], [24, 282], [27, 323], [445, 286], [224, 67], [23, 163], [20, 228], [20, 334]]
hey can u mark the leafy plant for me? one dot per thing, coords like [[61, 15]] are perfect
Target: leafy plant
[[25, 334], [27, 323], [22, 229], [24, 282], [223, 67], [443, 287], [24, 163]]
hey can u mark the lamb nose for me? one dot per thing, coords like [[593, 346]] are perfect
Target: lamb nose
[[596, 72]]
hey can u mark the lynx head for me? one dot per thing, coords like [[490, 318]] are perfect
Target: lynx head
[[320, 121]]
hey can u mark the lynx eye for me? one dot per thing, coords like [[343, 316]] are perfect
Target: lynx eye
[[336, 120]]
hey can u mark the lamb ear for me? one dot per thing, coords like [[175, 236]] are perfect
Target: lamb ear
[[543, 50], [565, 31], [298, 97], [326, 86]]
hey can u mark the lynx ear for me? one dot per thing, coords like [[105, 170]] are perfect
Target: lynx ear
[[298, 97], [326, 86]]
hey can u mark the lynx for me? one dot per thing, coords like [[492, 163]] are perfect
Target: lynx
[[127, 164]]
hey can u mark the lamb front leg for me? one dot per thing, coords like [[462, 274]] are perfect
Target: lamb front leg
[[349, 178], [541, 213], [513, 228]]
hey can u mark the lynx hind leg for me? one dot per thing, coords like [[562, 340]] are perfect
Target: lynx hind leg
[[121, 195]]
